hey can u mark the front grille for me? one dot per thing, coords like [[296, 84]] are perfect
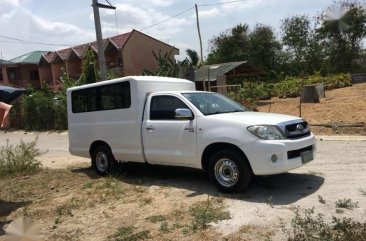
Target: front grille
[[297, 130], [297, 153]]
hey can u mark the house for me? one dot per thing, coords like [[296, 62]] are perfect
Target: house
[[125, 54], [22, 71], [215, 76]]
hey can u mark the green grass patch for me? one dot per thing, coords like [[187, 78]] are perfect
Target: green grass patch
[[128, 234], [203, 213], [346, 203]]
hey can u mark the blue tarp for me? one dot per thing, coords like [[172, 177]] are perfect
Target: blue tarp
[[9, 94]]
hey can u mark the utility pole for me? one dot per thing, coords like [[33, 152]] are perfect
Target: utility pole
[[98, 32], [199, 35]]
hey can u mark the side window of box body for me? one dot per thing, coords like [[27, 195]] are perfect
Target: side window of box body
[[106, 97]]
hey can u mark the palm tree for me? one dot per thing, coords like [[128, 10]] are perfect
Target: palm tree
[[192, 58]]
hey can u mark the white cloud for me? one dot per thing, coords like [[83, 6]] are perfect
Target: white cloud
[[238, 6], [163, 3], [132, 17], [21, 24], [213, 12]]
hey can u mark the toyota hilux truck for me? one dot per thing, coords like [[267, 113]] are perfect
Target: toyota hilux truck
[[165, 121]]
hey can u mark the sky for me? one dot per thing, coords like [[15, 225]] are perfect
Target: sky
[[63, 23]]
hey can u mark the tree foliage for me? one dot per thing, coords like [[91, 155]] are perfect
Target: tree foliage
[[327, 43], [89, 73]]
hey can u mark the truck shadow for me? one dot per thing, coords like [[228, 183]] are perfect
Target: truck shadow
[[278, 189]]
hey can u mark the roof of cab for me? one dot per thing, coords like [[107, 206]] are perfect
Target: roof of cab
[[136, 78]]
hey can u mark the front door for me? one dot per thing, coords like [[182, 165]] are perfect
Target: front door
[[168, 140]]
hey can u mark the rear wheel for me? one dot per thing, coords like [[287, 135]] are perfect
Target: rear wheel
[[229, 170], [102, 160]]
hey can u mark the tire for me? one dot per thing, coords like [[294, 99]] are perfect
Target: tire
[[230, 171], [103, 160]]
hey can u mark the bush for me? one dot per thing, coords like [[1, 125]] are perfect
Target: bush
[[290, 87], [19, 159]]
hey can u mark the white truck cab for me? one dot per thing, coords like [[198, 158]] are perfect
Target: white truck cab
[[165, 121]]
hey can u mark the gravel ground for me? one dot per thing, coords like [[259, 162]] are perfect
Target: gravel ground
[[339, 171]]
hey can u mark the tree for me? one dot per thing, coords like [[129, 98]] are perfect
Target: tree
[[296, 34], [166, 65], [343, 33], [89, 74], [192, 58], [263, 47], [231, 45]]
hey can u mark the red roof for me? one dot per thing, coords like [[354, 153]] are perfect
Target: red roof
[[49, 56], [118, 41]]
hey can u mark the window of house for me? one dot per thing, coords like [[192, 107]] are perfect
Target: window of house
[[34, 75], [163, 107], [1, 75], [119, 62]]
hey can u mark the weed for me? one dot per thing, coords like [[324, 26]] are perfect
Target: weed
[[88, 185], [156, 218], [203, 213], [339, 211], [164, 227], [127, 234], [346, 203], [110, 187], [146, 201], [269, 201], [321, 199], [310, 226], [19, 159]]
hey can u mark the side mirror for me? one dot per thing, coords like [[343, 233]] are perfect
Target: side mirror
[[183, 114]]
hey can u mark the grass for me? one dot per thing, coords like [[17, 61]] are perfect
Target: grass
[[346, 203], [19, 159], [203, 213], [156, 218], [127, 234]]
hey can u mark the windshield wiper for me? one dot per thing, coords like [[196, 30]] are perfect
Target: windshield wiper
[[223, 112]]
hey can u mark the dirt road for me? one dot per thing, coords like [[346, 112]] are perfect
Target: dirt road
[[338, 172]]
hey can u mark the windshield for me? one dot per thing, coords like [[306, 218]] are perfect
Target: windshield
[[213, 103]]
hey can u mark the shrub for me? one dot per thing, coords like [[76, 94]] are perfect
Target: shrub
[[19, 159], [312, 227]]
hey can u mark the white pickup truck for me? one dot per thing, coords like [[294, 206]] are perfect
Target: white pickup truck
[[165, 121]]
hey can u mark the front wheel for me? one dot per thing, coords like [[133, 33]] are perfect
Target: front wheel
[[229, 170], [102, 160]]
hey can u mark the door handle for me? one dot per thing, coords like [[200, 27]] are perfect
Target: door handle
[[150, 128]]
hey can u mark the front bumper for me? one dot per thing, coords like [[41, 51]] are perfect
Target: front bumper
[[259, 153]]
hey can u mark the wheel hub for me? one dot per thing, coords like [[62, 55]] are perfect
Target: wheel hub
[[226, 172], [101, 161]]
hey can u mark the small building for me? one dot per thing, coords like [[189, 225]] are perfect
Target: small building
[[216, 76], [22, 71], [125, 54]]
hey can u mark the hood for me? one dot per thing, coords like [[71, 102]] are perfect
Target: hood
[[255, 118]]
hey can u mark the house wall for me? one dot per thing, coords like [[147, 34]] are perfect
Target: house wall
[[56, 71], [5, 75], [25, 75], [73, 68], [45, 74], [137, 53]]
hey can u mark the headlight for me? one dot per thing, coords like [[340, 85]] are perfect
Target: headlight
[[267, 132]]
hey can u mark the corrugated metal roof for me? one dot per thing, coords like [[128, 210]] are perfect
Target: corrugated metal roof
[[2, 61], [29, 58], [212, 71]]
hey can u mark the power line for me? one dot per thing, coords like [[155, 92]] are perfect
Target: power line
[[167, 19], [33, 42]]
